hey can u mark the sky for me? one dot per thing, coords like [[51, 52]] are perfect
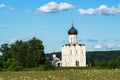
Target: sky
[[97, 22]]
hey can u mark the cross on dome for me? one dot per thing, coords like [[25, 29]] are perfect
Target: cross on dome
[[72, 30]]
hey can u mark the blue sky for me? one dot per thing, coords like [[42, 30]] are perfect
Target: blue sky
[[97, 21]]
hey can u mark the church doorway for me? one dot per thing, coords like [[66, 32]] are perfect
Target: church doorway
[[77, 63], [58, 64]]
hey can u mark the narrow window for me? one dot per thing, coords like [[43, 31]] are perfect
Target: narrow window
[[77, 63]]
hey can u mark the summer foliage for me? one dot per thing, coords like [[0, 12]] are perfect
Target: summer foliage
[[22, 54]]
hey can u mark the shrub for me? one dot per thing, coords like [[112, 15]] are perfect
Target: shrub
[[1, 69], [48, 66], [13, 65]]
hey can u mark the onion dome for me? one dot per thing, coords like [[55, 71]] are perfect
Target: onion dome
[[72, 30]]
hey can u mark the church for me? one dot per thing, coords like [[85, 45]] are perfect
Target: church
[[73, 54]]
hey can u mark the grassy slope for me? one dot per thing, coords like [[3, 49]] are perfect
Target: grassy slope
[[72, 74]]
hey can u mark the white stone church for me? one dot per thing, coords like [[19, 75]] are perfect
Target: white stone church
[[73, 54]]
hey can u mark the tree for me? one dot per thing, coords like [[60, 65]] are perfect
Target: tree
[[28, 53], [19, 51], [1, 63], [36, 54], [5, 49], [117, 61]]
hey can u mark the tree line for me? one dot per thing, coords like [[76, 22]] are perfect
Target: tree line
[[98, 59], [104, 59], [22, 54], [28, 54]]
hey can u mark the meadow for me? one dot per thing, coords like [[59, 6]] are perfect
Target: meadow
[[92, 74]]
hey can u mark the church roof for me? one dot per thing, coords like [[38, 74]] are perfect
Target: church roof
[[74, 44], [72, 30]]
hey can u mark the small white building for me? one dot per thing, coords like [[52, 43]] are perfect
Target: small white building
[[56, 61], [73, 54]]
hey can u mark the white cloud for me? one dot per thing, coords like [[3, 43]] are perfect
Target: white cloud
[[111, 45], [101, 10], [88, 11], [2, 5], [65, 6], [98, 46], [12, 40], [119, 45], [11, 8], [54, 7], [91, 40]]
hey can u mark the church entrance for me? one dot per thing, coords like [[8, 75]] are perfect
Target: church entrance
[[58, 64], [77, 63]]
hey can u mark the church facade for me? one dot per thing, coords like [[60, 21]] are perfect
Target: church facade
[[73, 54]]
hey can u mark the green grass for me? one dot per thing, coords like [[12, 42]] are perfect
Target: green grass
[[63, 68], [72, 74], [33, 69]]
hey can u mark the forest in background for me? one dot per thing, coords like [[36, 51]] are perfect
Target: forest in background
[[102, 59]]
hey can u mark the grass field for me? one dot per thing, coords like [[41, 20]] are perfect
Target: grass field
[[72, 74]]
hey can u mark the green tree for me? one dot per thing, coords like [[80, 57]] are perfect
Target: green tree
[[1, 63], [36, 54], [19, 51], [28, 53], [117, 61], [5, 49]]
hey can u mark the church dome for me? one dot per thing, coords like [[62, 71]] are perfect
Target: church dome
[[72, 30]]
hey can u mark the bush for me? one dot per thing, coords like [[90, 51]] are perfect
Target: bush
[[1, 69], [13, 65], [48, 66]]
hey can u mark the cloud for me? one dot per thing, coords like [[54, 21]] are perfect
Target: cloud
[[88, 11], [98, 46], [101, 10], [118, 46], [54, 7], [12, 40], [110, 45], [11, 8], [2, 5], [92, 40]]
